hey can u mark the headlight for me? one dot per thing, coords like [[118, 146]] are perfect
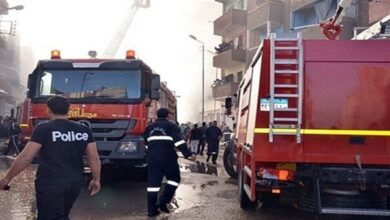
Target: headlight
[[127, 147]]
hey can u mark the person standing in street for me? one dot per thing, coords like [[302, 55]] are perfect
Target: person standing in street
[[161, 139], [202, 142], [195, 138], [213, 135], [13, 132], [61, 145]]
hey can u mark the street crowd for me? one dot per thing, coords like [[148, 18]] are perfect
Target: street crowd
[[200, 137]]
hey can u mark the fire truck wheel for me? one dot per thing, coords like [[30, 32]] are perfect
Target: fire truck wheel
[[228, 161]]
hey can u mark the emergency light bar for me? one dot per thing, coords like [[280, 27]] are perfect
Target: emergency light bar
[[55, 54], [130, 54]]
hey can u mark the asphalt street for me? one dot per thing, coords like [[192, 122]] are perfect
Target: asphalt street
[[206, 192]]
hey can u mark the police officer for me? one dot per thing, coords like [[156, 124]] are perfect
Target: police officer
[[161, 138], [213, 135], [61, 145]]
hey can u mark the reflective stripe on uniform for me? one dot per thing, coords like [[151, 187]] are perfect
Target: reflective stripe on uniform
[[179, 143], [153, 189], [160, 138], [173, 183], [213, 152]]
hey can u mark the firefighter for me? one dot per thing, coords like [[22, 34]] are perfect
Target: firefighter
[[161, 139], [213, 135]]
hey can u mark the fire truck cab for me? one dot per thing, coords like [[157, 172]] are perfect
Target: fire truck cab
[[116, 98]]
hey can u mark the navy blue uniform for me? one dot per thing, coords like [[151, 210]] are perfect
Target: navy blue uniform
[[59, 178], [213, 135], [162, 138]]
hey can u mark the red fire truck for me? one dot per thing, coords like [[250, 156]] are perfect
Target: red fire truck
[[313, 123], [116, 98]]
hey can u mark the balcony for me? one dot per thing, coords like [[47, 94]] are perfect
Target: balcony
[[270, 10], [223, 91], [231, 23], [229, 58]]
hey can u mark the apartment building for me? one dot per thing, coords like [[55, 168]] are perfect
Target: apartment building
[[9, 62], [245, 23]]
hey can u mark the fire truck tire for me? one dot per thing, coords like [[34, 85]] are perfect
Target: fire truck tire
[[228, 161]]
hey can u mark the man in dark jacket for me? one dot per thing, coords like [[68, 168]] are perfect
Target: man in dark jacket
[[213, 135], [161, 139], [202, 142], [13, 133]]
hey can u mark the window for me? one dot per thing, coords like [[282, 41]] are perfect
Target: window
[[313, 13], [75, 84], [229, 78], [259, 34], [235, 4]]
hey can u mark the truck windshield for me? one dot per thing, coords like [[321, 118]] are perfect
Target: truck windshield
[[90, 84]]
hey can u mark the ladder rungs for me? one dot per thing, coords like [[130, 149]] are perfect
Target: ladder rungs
[[286, 86], [286, 48], [286, 61], [286, 39], [284, 133], [286, 95], [286, 110], [355, 211], [286, 71], [286, 119]]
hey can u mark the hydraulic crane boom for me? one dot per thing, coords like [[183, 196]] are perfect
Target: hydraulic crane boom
[[120, 34]]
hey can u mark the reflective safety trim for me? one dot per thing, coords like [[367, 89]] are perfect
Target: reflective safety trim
[[213, 152], [153, 189], [160, 138], [179, 143], [173, 183], [327, 132], [146, 147], [24, 125]]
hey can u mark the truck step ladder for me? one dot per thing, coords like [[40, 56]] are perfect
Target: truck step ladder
[[345, 211], [280, 68]]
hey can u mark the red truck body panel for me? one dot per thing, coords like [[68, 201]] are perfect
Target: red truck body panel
[[346, 88]]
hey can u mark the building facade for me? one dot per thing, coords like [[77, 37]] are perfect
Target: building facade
[[10, 88], [245, 23]]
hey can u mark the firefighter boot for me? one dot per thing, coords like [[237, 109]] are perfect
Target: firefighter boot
[[167, 196], [152, 204]]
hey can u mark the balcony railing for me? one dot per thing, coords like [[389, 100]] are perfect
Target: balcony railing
[[223, 91], [231, 23], [229, 58]]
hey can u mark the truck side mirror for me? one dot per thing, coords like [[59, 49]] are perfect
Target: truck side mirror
[[154, 92], [29, 85]]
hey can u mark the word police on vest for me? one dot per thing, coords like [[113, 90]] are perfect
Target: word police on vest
[[69, 137]]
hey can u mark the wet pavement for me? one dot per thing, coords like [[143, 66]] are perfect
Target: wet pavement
[[206, 192]]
